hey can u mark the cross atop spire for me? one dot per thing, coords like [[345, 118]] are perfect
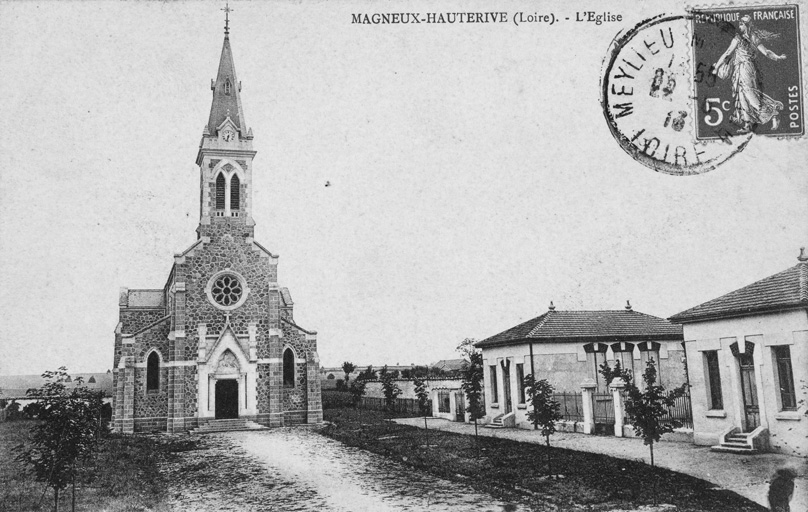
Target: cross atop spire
[[227, 10]]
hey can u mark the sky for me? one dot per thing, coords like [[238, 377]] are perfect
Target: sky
[[473, 178]]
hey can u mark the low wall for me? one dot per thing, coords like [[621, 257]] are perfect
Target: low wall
[[373, 388]]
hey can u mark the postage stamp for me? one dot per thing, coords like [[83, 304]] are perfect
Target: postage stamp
[[748, 72], [646, 96]]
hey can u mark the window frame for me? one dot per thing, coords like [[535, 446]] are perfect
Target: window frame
[[289, 383], [786, 396], [715, 395], [520, 383], [492, 372], [153, 364]]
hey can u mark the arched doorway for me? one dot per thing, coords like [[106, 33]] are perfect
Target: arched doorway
[[226, 398]]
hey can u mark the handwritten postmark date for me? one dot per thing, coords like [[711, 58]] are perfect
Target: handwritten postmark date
[[646, 95], [747, 71]]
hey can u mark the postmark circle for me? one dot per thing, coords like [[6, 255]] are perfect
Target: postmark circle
[[647, 100]]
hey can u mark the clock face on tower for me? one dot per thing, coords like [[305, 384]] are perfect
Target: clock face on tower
[[228, 135]]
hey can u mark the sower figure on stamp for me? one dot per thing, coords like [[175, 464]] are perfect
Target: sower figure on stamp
[[752, 106]]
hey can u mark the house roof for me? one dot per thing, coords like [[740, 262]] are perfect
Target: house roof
[[607, 325], [785, 290], [449, 364]]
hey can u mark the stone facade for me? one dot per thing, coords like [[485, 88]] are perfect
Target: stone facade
[[221, 324]]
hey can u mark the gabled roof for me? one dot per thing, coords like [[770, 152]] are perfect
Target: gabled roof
[[449, 364], [785, 290], [226, 99], [587, 326]]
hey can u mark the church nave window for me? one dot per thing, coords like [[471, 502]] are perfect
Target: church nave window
[[235, 194], [220, 191], [288, 368], [153, 372]]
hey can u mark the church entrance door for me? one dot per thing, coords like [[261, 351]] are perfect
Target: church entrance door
[[226, 399]]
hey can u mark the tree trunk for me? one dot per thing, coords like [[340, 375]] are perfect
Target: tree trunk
[[476, 439], [426, 429], [73, 482], [549, 468], [653, 473], [55, 499]]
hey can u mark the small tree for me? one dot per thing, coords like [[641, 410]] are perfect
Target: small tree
[[422, 395], [646, 408], [357, 390], [472, 381], [367, 374], [69, 431], [544, 410], [389, 388], [348, 367]]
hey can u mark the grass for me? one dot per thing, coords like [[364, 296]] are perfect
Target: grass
[[508, 469], [123, 475]]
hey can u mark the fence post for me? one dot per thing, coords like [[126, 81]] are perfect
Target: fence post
[[617, 386], [587, 389]]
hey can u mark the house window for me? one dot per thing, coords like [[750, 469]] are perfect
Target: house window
[[520, 381], [234, 192], [713, 379], [649, 351], [785, 377], [220, 191], [153, 372], [624, 354], [595, 357], [494, 387], [443, 400], [288, 368]]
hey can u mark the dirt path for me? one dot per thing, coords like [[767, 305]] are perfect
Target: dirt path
[[289, 469]]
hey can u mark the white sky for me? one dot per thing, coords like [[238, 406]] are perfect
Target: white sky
[[473, 175]]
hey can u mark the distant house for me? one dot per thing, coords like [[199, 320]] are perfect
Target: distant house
[[567, 348], [747, 352], [451, 366], [16, 386]]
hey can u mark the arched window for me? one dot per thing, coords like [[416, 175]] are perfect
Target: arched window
[[227, 87], [220, 190], [288, 368], [153, 372], [234, 192]]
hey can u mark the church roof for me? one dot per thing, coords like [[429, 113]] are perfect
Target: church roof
[[585, 326], [226, 93], [784, 290]]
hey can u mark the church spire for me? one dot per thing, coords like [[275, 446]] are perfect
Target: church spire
[[226, 89]]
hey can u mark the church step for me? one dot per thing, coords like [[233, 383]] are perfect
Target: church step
[[228, 425]]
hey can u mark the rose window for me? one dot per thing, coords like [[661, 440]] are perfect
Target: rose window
[[227, 290]]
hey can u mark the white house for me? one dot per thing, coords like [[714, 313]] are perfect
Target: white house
[[567, 348], [747, 354]]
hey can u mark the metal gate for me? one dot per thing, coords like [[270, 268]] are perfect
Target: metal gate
[[603, 405], [460, 406]]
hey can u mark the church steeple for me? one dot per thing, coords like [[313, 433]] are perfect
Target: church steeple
[[226, 89], [226, 152]]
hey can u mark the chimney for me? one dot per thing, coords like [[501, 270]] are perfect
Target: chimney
[[628, 306]]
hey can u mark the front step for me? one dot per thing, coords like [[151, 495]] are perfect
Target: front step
[[495, 423], [228, 425], [737, 442]]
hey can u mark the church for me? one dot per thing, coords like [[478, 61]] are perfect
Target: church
[[218, 342]]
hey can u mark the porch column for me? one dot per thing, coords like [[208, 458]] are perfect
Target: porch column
[[587, 390], [617, 387]]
